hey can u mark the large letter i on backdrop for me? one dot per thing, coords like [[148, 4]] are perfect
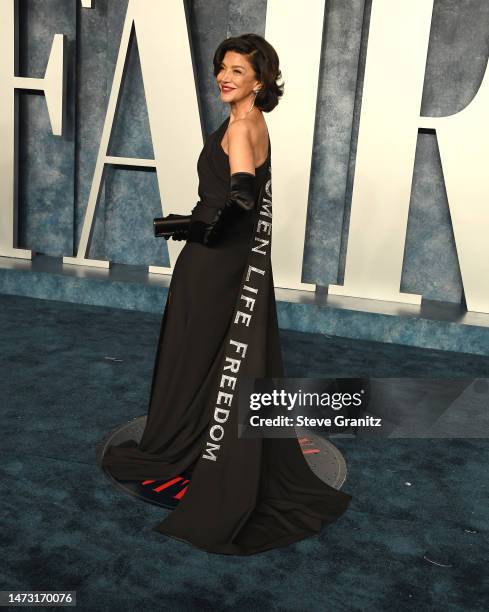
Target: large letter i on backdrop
[[393, 86]]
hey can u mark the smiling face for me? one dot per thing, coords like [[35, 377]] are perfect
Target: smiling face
[[236, 79]]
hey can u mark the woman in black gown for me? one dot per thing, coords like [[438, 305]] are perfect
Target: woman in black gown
[[245, 495]]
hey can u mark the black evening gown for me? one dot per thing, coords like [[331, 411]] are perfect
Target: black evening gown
[[246, 495]]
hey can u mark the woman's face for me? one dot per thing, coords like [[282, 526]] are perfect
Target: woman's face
[[236, 79]]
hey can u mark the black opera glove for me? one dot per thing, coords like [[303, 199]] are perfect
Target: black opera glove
[[172, 226], [241, 198]]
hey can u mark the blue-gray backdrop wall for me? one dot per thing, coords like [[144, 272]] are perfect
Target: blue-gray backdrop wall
[[55, 173]]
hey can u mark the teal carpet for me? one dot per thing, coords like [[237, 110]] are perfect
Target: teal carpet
[[72, 373]]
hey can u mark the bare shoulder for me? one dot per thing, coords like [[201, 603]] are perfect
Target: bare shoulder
[[250, 130], [247, 143], [252, 126], [240, 128]]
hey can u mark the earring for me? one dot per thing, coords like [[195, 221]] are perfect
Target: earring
[[253, 103]]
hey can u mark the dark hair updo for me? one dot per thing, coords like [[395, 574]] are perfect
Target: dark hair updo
[[264, 59]]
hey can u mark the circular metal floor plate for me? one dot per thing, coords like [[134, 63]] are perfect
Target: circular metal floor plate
[[324, 459]]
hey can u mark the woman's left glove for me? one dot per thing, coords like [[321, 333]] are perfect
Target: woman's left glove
[[172, 226], [241, 199]]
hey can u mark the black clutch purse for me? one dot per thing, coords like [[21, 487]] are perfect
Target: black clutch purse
[[165, 227]]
